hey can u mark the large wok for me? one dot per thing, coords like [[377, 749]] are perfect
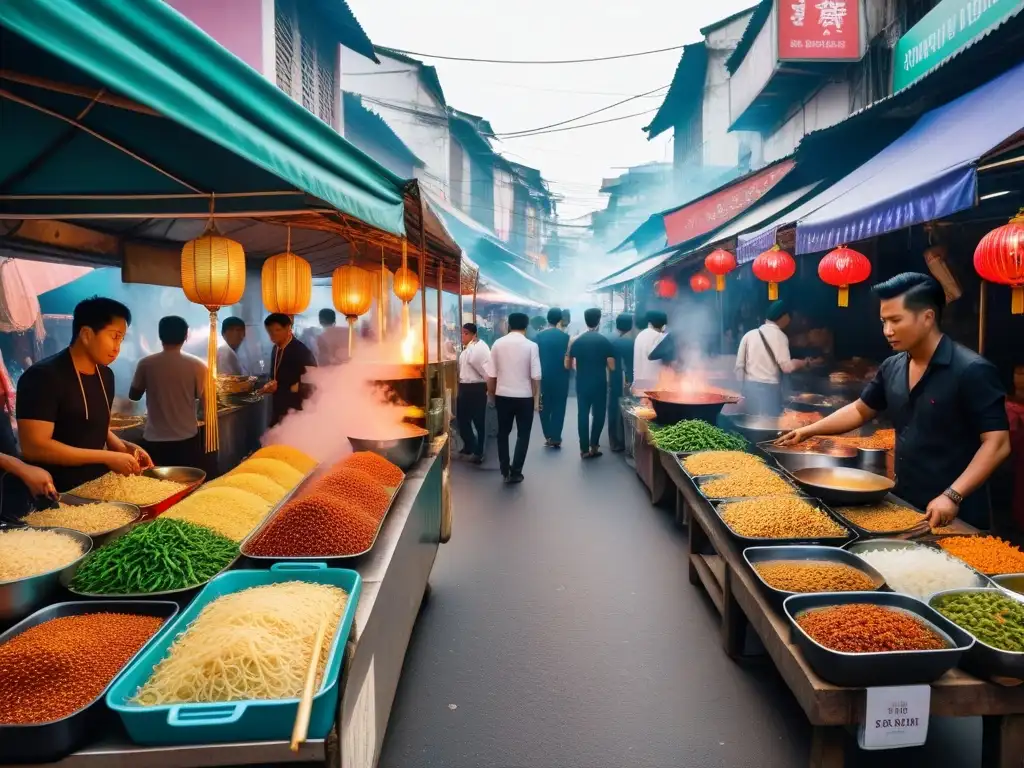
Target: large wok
[[842, 486], [672, 407]]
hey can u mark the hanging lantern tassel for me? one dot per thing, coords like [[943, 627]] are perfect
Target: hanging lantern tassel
[[351, 334], [210, 401], [1017, 300], [719, 283], [773, 291], [844, 295]]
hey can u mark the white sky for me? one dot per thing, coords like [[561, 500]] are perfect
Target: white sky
[[518, 97]]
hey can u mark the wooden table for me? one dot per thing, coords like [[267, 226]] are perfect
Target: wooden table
[[649, 466], [716, 562]]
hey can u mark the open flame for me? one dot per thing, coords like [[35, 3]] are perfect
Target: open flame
[[411, 347], [691, 383]]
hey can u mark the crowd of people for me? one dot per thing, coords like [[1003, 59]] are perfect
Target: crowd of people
[[529, 371]]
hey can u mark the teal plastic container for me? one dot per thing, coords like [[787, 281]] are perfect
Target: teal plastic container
[[254, 720]]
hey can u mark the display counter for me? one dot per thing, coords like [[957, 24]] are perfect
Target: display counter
[[716, 564], [395, 575]]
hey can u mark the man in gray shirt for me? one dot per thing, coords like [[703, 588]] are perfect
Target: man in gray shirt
[[172, 382]]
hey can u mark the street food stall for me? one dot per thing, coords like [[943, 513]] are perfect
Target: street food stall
[[172, 173]]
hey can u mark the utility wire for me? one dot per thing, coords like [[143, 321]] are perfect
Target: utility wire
[[510, 134], [531, 61], [583, 125]]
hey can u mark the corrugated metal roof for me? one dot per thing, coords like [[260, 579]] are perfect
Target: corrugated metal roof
[[428, 74], [361, 122], [757, 20], [339, 16]]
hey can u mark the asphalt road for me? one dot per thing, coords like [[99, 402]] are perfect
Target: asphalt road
[[562, 632]]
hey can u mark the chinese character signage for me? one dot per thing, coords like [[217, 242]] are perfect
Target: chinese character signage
[[819, 30], [719, 208], [949, 27]]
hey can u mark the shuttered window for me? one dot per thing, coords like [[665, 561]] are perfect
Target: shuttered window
[[306, 59]]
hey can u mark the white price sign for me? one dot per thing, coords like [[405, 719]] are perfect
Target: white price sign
[[895, 716]]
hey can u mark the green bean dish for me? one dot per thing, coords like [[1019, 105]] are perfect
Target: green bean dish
[[991, 617], [160, 556], [695, 435]]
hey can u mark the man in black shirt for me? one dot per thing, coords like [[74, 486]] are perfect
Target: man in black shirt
[[620, 380], [288, 363], [64, 401], [946, 403], [594, 357]]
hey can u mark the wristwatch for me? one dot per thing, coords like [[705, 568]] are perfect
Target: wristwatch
[[953, 496]]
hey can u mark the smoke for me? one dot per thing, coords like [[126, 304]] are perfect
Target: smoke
[[346, 400]]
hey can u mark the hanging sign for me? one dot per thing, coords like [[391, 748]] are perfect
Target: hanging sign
[[719, 208], [895, 716], [949, 27], [819, 30]]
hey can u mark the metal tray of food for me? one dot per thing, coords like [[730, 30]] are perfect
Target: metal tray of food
[[891, 498], [700, 480], [843, 485], [67, 576], [191, 476], [856, 547], [865, 670], [1010, 582], [330, 559], [48, 742], [792, 461], [984, 660], [829, 541], [102, 537], [681, 458], [20, 597], [814, 553]]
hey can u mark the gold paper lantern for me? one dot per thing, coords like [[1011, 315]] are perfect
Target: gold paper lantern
[[212, 274], [287, 282], [406, 286], [352, 293]]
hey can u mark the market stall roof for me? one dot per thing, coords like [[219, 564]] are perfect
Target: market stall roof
[[927, 173], [111, 108], [631, 272]]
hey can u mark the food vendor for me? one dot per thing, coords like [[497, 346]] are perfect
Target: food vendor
[[64, 401], [946, 403], [763, 358], [232, 330], [332, 341], [647, 371], [19, 482], [288, 363], [172, 381]]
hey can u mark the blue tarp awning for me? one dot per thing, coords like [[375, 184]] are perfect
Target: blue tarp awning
[[928, 173]]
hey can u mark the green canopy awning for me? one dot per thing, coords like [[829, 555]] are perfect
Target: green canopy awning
[[106, 100]]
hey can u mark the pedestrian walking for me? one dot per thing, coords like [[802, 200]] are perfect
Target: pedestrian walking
[[620, 380], [554, 384], [513, 382], [594, 357], [471, 406]]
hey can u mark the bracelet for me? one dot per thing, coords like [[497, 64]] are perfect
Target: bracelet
[[953, 496]]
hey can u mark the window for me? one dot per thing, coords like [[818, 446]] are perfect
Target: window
[[306, 58]]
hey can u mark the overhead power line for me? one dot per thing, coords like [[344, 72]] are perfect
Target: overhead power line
[[531, 61], [510, 134], [582, 125]]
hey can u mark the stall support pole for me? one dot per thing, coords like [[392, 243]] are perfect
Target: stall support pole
[[440, 317], [423, 311], [382, 297], [982, 316], [476, 287]]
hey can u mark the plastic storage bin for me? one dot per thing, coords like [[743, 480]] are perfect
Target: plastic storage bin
[[251, 720]]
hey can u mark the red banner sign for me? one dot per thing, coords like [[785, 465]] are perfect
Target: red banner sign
[[719, 208], [819, 30]]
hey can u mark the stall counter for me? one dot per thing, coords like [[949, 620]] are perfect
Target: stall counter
[[395, 575]]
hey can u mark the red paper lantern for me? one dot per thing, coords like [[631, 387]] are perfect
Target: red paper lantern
[[665, 288], [720, 263], [842, 268], [999, 258], [700, 283], [773, 267]]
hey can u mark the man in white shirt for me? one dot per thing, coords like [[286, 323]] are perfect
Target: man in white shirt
[[513, 381], [332, 341], [232, 330], [646, 371], [471, 407], [762, 359]]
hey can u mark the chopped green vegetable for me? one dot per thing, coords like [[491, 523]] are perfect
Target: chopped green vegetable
[[991, 617], [695, 435], [159, 556]]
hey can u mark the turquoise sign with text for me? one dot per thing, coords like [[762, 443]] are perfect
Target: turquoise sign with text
[[949, 27]]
